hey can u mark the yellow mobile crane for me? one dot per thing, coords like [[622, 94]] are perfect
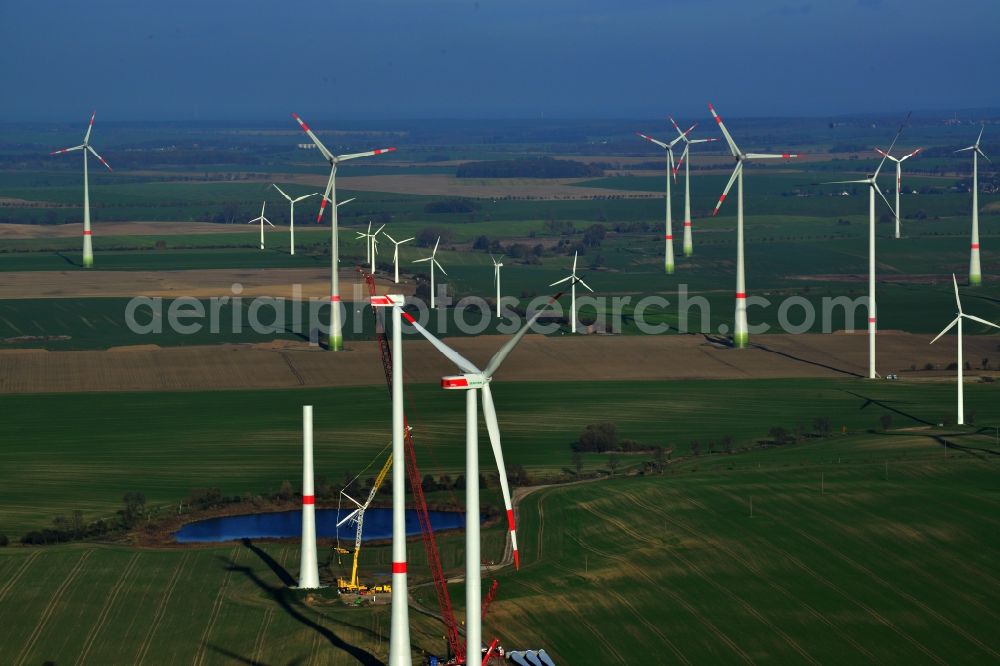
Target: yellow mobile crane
[[358, 515]]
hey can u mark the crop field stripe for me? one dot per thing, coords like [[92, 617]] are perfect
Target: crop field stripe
[[874, 614], [160, 608], [51, 607], [258, 643], [750, 566], [216, 608], [12, 581], [106, 610]]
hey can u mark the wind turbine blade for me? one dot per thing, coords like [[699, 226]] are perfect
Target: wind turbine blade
[[282, 191], [677, 127], [683, 136], [981, 321], [326, 196], [680, 162], [351, 514], [702, 140], [978, 138], [957, 300], [770, 156], [90, 128], [67, 150], [386, 234], [493, 428], [729, 185], [346, 201], [585, 285], [435, 251], [464, 364], [983, 155], [568, 277], [417, 261], [962, 150], [367, 153], [574, 262], [889, 150], [440, 267], [508, 347], [360, 234], [306, 196], [652, 140], [268, 221], [732, 144], [847, 182], [874, 185], [319, 144], [406, 240], [378, 230], [947, 328], [100, 159], [913, 154]]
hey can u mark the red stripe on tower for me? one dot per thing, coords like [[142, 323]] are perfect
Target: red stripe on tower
[[687, 224], [871, 320], [975, 246], [88, 233], [741, 294], [308, 499], [335, 299], [669, 237], [399, 567]]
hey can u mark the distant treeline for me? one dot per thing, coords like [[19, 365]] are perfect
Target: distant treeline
[[535, 167]]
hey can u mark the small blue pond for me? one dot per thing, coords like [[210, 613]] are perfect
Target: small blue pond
[[288, 525]]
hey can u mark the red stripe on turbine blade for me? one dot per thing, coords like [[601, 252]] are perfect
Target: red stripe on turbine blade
[[399, 567], [975, 246], [741, 294], [408, 317], [510, 518], [786, 155], [308, 499], [517, 560]]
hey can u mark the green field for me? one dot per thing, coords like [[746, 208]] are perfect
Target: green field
[[872, 546]]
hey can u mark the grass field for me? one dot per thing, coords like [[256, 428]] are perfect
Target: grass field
[[869, 547]]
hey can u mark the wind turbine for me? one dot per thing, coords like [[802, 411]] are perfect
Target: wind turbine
[[669, 233], [575, 279], [371, 244], [291, 212], [685, 159], [497, 265], [88, 248], [399, 628], [472, 380], [899, 176], [975, 274], [395, 253], [958, 320], [741, 333], [434, 262], [872, 189], [262, 220], [330, 194]]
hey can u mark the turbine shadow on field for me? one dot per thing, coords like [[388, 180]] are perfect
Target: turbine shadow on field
[[886, 406], [67, 259], [285, 599], [805, 360], [271, 563], [237, 658]]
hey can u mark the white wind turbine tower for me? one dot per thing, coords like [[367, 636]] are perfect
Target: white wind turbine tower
[[668, 235], [686, 160], [958, 320], [330, 194], [399, 630], [975, 273], [395, 253], [88, 248], [291, 213], [497, 265], [308, 565], [899, 176], [872, 184], [262, 220], [472, 380], [371, 243], [434, 262], [575, 279], [741, 332]]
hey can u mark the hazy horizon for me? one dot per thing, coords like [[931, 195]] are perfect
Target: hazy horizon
[[445, 59]]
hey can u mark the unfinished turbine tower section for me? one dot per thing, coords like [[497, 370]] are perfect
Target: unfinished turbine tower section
[[88, 247], [308, 563]]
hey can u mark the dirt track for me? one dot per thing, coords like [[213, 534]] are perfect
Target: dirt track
[[581, 358], [202, 283]]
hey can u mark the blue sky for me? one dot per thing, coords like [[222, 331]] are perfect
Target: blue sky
[[354, 59]]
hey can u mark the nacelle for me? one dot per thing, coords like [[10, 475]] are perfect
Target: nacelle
[[472, 381]]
